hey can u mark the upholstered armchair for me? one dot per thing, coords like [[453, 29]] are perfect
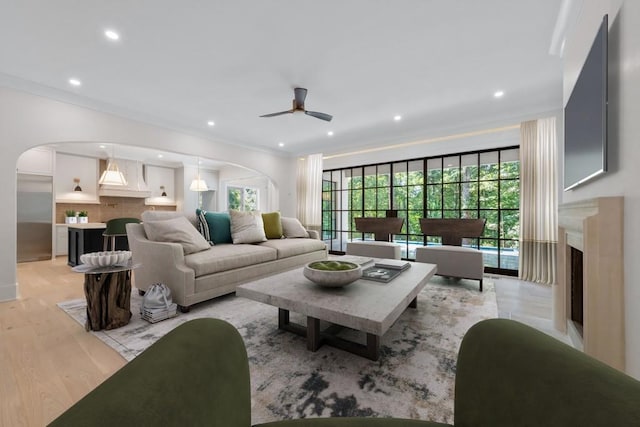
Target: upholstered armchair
[[453, 259], [507, 374]]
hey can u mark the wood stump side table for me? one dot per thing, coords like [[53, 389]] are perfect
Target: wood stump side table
[[108, 293]]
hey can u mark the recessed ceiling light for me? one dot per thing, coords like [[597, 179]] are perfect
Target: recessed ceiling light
[[74, 82], [397, 118], [103, 146], [211, 123], [498, 94], [280, 144], [330, 133], [160, 156], [111, 35]]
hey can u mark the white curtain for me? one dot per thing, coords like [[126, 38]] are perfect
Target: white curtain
[[309, 191], [538, 201]]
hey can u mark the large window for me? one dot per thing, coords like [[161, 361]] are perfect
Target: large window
[[242, 198], [483, 184]]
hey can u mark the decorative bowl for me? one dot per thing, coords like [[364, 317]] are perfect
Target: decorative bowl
[[331, 273], [105, 259]]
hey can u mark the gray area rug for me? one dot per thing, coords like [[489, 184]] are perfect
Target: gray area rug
[[414, 377]]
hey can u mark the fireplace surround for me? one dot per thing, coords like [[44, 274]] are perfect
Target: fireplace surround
[[594, 227]]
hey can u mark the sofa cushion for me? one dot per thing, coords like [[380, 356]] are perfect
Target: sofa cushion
[[227, 256], [292, 228], [162, 215], [246, 227], [176, 230], [290, 247], [272, 225], [215, 226]]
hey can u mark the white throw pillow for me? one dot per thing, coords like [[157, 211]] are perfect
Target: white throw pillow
[[247, 227], [292, 228], [176, 230]]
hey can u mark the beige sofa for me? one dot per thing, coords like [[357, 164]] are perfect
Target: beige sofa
[[216, 271]]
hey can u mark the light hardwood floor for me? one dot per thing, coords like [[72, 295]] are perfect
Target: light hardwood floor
[[48, 361]]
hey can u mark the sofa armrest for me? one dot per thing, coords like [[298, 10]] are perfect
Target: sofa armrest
[[509, 374], [195, 375], [313, 234], [161, 262]]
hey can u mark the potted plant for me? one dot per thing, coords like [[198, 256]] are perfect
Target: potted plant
[[83, 217], [70, 217]]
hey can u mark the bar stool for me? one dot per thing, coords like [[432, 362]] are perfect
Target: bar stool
[[115, 228]]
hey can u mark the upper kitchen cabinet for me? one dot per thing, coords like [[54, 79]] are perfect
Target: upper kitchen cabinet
[[76, 179], [38, 161], [161, 182]]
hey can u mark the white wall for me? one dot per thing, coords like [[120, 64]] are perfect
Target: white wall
[[28, 121], [445, 144], [623, 177]]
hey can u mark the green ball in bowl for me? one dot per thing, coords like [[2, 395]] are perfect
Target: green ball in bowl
[[333, 265], [332, 273]]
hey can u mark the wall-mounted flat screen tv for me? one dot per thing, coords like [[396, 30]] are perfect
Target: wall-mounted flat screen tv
[[585, 117]]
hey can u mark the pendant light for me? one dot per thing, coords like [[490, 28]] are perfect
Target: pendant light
[[112, 175], [198, 184]]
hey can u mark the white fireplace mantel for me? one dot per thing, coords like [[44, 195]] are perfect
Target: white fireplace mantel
[[595, 227]]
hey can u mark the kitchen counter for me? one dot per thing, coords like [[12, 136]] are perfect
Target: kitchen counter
[[88, 225]]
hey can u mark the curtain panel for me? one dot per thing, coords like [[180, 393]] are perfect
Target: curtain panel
[[538, 201], [309, 191]]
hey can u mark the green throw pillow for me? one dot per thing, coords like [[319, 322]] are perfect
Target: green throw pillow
[[272, 225], [215, 226]]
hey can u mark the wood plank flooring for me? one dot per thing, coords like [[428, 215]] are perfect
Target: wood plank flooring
[[48, 361]]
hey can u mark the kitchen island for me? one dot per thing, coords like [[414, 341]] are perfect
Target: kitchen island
[[84, 238]]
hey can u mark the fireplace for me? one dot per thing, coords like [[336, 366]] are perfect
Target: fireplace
[[589, 295], [577, 301]]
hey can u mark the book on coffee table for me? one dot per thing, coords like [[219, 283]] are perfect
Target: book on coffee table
[[380, 274], [395, 264], [360, 260]]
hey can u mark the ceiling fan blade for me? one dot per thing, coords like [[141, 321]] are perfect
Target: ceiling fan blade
[[321, 116], [278, 114], [300, 94]]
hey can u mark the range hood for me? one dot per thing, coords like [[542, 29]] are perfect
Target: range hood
[[134, 174]]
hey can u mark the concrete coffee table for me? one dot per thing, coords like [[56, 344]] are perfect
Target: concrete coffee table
[[364, 305]]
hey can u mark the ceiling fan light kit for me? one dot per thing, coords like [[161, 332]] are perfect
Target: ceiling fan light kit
[[298, 105]]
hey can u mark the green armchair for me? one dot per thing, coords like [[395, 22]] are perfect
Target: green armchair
[[508, 374]]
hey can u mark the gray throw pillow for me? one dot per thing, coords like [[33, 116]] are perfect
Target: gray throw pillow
[[247, 227], [292, 228], [176, 230]]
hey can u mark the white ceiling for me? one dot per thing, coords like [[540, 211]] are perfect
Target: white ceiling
[[180, 63]]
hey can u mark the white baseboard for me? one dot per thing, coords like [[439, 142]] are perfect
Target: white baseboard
[[8, 292]]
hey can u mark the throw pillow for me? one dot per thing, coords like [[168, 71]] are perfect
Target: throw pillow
[[215, 226], [292, 228], [246, 227], [272, 225], [176, 230]]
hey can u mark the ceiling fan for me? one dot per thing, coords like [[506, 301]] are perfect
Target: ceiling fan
[[298, 105]]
